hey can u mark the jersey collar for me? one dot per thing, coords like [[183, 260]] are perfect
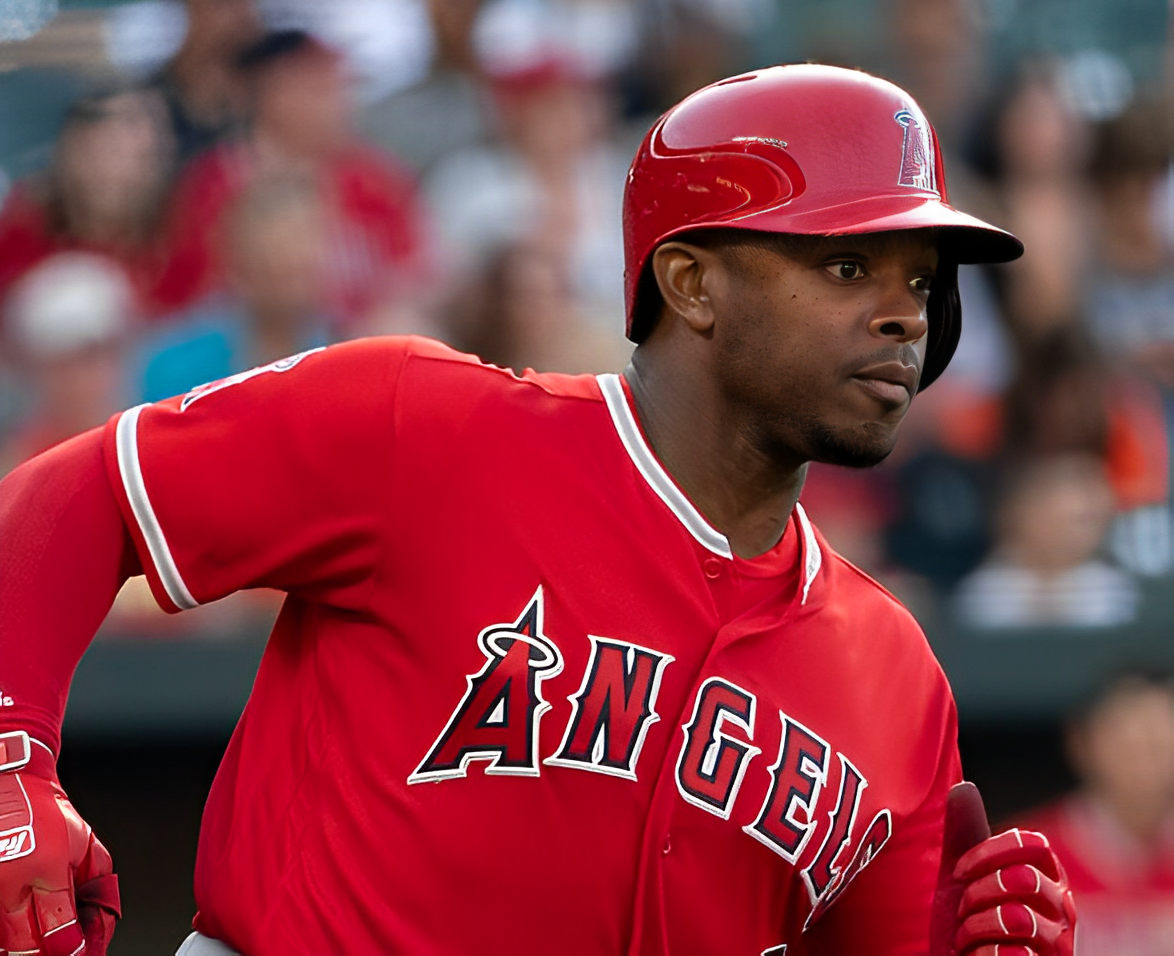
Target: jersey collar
[[623, 417]]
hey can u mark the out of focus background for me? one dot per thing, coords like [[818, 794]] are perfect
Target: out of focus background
[[190, 189]]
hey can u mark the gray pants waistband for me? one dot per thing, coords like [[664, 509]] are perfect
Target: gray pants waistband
[[198, 945]]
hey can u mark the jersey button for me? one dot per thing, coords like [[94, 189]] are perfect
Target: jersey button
[[668, 845], [713, 568]]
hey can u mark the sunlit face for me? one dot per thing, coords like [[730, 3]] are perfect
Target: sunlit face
[[821, 348]]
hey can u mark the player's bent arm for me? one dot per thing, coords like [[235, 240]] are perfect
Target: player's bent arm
[[65, 554]]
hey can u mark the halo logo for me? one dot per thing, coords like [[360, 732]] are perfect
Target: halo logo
[[917, 159]]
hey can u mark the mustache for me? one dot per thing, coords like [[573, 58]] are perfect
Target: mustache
[[903, 352]]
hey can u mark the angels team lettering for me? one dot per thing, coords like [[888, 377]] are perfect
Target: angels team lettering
[[497, 720], [612, 711], [712, 762]]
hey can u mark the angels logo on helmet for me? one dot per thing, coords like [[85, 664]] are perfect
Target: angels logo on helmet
[[917, 161]]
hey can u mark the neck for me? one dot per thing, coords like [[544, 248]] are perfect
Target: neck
[[745, 494]]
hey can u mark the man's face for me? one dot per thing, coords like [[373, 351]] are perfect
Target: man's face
[[820, 349]]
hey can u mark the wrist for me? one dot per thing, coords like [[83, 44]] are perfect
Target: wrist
[[21, 752]]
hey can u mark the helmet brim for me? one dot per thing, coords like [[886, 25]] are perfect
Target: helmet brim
[[967, 239]]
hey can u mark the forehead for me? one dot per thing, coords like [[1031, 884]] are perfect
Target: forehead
[[916, 247], [873, 244]]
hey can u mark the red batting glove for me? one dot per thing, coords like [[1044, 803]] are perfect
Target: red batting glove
[[58, 891], [1017, 901], [998, 896]]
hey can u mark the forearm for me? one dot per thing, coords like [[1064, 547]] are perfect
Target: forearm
[[64, 553]]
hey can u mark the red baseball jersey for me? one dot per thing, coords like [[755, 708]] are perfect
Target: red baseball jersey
[[522, 698]]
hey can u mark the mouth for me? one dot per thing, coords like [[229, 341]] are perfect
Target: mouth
[[891, 383]]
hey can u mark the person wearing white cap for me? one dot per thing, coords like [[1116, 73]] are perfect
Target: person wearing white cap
[[67, 322]]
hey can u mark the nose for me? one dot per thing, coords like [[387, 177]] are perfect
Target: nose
[[900, 316]]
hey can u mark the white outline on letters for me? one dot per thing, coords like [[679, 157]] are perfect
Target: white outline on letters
[[716, 738], [662, 661], [819, 781], [550, 666]]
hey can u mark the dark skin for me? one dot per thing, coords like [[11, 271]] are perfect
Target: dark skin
[[763, 360]]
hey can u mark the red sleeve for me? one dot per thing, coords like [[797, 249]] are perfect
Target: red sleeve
[[64, 556], [886, 909], [274, 478]]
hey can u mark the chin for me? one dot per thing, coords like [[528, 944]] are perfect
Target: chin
[[849, 449]]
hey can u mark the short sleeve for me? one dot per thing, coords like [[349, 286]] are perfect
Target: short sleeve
[[275, 477]]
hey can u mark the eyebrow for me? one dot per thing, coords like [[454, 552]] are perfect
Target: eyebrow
[[858, 253]]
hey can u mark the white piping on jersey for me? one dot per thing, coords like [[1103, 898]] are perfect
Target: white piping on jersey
[[671, 495], [126, 440], [654, 474], [814, 556]]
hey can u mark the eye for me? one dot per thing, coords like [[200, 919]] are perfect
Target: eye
[[848, 270], [922, 284]]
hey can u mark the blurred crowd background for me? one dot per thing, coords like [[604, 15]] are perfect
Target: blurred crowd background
[[191, 189]]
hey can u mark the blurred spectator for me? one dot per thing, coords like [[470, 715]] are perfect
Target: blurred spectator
[[519, 313], [1131, 301], [302, 126], [273, 304], [1115, 835], [102, 193], [444, 112], [67, 321], [1044, 147], [201, 85], [1059, 399], [687, 44], [1132, 292], [555, 181], [1044, 568]]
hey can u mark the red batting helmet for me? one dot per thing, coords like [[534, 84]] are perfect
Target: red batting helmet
[[804, 149]]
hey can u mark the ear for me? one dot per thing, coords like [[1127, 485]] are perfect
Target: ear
[[684, 274]]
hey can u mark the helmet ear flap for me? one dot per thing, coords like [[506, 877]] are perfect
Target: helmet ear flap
[[944, 311]]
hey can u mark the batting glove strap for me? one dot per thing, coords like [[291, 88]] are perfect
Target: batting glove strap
[[19, 751]]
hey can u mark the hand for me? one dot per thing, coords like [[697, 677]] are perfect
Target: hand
[[1017, 901], [58, 891], [998, 896]]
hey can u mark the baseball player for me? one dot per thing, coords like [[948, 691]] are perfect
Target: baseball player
[[563, 665]]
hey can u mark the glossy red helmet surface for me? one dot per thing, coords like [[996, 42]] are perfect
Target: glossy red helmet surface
[[805, 149]]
